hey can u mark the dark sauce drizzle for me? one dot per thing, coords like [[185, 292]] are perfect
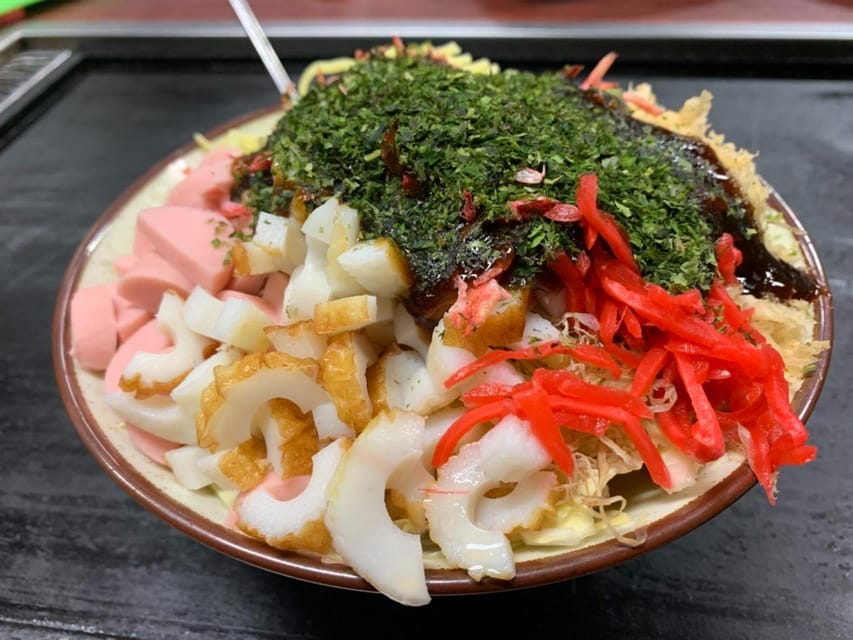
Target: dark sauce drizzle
[[761, 273]]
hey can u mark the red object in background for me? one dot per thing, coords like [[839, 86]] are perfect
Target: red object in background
[[12, 16]]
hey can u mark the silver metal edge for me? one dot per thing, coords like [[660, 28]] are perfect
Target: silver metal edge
[[841, 32], [61, 57]]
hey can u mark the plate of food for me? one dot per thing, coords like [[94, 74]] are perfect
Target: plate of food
[[438, 327]]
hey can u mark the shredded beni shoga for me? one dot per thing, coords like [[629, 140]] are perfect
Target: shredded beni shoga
[[284, 371], [695, 364]]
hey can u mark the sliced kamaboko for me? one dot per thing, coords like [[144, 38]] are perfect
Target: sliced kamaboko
[[356, 515], [308, 286], [408, 385], [194, 241], [507, 453], [149, 445], [297, 523], [94, 333], [343, 374], [290, 437], [147, 338], [209, 184], [273, 291], [378, 266], [298, 340], [231, 401], [247, 284], [150, 276], [128, 317], [158, 415], [443, 360], [521, 508], [350, 314], [148, 374]]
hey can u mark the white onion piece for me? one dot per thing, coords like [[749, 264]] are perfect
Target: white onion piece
[[586, 320]]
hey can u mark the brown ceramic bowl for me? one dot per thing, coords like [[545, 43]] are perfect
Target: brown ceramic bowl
[[663, 518]]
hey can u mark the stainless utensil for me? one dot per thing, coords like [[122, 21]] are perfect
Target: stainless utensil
[[262, 45]]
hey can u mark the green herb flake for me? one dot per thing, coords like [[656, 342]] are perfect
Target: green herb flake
[[411, 136]]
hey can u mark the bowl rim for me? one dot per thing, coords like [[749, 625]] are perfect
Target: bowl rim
[[530, 573]]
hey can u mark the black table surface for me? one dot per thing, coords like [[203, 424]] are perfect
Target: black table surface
[[79, 558]]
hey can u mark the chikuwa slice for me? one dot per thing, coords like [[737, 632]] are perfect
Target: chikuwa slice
[[507, 453], [296, 523], [356, 515], [240, 389], [148, 374]]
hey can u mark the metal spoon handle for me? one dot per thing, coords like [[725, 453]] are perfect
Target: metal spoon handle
[[264, 48]]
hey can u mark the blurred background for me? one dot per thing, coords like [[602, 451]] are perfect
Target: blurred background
[[831, 11]]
